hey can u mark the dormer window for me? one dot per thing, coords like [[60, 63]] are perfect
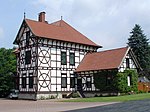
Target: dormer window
[[27, 37]]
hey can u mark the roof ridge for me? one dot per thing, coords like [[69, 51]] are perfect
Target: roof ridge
[[59, 33], [113, 49]]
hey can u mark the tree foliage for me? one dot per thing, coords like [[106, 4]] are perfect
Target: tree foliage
[[140, 46], [7, 69]]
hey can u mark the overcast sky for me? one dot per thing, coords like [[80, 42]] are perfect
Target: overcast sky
[[106, 22]]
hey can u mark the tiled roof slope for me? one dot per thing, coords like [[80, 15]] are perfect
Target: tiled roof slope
[[104, 60], [59, 30]]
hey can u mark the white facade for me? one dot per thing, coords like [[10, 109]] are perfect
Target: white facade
[[45, 64]]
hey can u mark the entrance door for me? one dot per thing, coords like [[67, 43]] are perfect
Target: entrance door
[[79, 84]]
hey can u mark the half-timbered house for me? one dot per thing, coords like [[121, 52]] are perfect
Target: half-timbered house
[[55, 60], [47, 56], [110, 62]]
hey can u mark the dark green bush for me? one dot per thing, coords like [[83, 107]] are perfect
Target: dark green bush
[[118, 82]]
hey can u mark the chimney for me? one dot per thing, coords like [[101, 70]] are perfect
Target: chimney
[[42, 17]]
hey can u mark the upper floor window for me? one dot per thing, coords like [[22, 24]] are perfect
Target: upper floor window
[[31, 80], [27, 57], [72, 58], [27, 37], [127, 63], [63, 58]]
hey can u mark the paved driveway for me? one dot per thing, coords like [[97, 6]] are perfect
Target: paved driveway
[[43, 106], [51, 106], [131, 106]]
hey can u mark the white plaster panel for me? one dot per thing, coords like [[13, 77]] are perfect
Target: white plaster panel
[[58, 64], [76, 59], [67, 53], [68, 80], [53, 64], [58, 73], [54, 42], [50, 42], [53, 87], [43, 89], [53, 50], [81, 57], [53, 80], [53, 72], [76, 65], [58, 87], [58, 80], [63, 72], [58, 51], [53, 57], [58, 58], [76, 53]]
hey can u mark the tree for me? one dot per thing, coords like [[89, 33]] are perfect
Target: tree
[[7, 69], [140, 46]]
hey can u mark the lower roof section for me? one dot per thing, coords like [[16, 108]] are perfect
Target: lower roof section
[[103, 60]]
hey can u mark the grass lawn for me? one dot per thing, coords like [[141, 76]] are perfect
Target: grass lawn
[[112, 98]]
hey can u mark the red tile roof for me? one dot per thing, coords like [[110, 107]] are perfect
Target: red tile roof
[[104, 60], [59, 30]]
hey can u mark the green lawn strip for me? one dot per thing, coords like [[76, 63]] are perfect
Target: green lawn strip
[[112, 98]]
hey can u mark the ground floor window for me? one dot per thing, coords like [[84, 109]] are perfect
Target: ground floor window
[[63, 80], [31, 80], [88, 82], [129, 80], [24, 81], [72, 82]]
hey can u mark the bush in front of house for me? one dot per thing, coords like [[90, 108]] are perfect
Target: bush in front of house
[[119, 82], [100, 80]]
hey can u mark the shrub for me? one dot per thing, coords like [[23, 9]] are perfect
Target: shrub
[[120, 81], [100, 80]]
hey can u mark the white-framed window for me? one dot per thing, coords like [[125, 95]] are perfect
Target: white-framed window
[[63, 80], [129, 80], [88, 82]]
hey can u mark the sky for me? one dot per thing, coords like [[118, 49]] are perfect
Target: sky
[[106, 22]]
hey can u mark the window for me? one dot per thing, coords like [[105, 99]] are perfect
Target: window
[[63, 58], [72, 82], [27, 57], [72, 58], [24, 81], [63, 81], [108, 80], [127, 63], [88, 82], [129, 80], [31, 80], [27, 37]]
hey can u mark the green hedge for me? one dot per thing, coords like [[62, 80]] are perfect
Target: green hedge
[[100, 80], [119, 81]]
